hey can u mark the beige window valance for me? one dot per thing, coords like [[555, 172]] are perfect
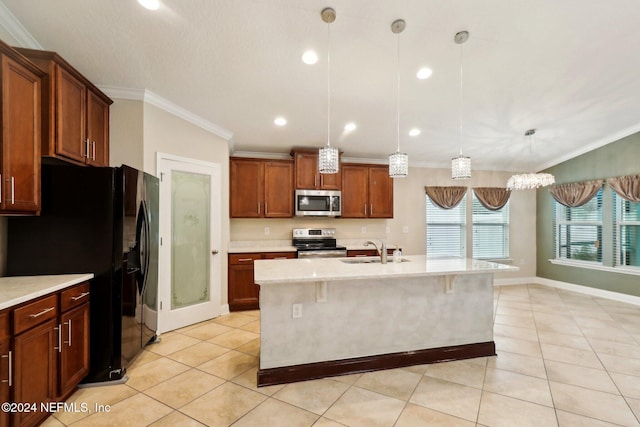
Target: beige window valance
[[446, 197], [575, 194], [492, 198], [627, 187]]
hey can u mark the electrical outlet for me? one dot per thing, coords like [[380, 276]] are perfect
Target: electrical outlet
[[267, 231], [296, 311], [363, 230], [405, 228]]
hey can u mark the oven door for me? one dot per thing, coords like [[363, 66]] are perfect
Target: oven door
[[322, 253], [318, 203]]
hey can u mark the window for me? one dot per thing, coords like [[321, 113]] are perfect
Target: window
[[578, 234], [446, 229], [490, 231], [627, 232]]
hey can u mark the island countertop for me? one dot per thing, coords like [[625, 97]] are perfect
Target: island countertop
[[330, 269], [18, 289]]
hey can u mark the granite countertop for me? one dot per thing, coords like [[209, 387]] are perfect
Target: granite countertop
[[330, 269], [19, 289]]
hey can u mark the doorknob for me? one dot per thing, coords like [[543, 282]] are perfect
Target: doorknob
[[214, 252]]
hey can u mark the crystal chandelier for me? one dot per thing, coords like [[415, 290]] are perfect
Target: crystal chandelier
[[398, 162], [328, 157], [529, 181], [461, 165]]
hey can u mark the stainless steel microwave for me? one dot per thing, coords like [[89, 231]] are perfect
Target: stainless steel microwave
[[318, 203]]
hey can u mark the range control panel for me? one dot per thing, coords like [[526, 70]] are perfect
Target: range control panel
[[305, 233]]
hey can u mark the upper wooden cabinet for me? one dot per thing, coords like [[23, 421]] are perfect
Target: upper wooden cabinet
[[367, 191], [21, 138], [307, 176], [261, 188], [75, 113]]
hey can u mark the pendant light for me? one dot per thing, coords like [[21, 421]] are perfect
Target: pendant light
[[328, 157], [530, 181], [461, 165], [398, 162]]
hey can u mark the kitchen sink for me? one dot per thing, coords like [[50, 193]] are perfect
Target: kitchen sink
[[368, 260]]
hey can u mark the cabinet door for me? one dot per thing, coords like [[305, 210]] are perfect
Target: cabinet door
[[21, 140], [246, 188], [97, 130], [306, 171], [71, 98], [5, 365], [380, 192], [278, 189], [331, 181], [243, 292], [74, 357], [35, 370], [354, 191]]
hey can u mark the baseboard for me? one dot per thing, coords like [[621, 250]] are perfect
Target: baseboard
[[224, 309], [311, 371], [514, 281]]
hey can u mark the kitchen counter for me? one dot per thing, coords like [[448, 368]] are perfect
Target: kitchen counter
[[19, 289]]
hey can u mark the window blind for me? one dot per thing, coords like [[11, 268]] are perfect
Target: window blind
[[578, 231], [490, 231], [446, 229], [627, 232]]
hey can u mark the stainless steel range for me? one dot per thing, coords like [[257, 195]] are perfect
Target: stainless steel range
[[317, 243]]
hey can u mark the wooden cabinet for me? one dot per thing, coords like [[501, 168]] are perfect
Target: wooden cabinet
[[243, 292], [75, 113], [367, 191], [5, 365], [21, 139], [74, 353], [307, 176], [261, 188]]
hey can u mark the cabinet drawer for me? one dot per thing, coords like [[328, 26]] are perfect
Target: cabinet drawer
[[5, 332], [235, 259], [74, 297], [35, 313], [279, 255]]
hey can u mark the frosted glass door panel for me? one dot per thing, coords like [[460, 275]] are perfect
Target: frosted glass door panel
[[191, 254]]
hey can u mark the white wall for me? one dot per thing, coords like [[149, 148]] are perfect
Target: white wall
[[126, 136]]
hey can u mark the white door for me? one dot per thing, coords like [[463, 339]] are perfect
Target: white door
[[189, 273]]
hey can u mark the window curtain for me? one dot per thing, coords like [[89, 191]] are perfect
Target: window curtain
[[575, 194], [446, 197], [627, 187], [492, 198]]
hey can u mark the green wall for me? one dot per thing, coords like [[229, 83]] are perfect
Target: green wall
[[619, 158]]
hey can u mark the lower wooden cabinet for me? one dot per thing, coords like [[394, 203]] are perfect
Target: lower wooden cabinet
[[244, 294], [74, 357], [5, 365]]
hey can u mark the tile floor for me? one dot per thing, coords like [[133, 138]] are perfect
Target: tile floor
[[564, 359]]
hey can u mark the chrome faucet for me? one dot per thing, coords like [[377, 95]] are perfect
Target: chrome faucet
[[382, 250]]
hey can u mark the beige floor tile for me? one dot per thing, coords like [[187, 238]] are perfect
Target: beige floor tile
[[253, 313], [450, 398], [234, 320], [183, 388], [591, 403], [171, 344], [230, 364], [176, 419], [416, 369], [143, 357], [515, 345], [152, 373], [502, 411], [515, 332], [208, 330], [628, 385], [621, 365], [249, 380], [347, 379], [564, 340], [567, 419], [52, 422], [252, 327], [108, 395], [252, 347], [609, 334], [363, 408], [234, 338], [518, 321], [315, 396], [396, 383], [414, 415], [586, 358], [518, 363], [524, 387], [634, 404], [521, 306], [461, 371], [594, 379], [615, 348], [223, 405], [326, 422], [506, 311], [276, 413], [139, 410], [592, 313], [198, 354]]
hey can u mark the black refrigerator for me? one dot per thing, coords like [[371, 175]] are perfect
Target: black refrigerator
[[104, 221]]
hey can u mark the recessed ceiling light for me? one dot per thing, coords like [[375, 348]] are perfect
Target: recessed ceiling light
[[309, 57], [414, 132], [350, 127], [424, 73], [280, 121], [150, 4]]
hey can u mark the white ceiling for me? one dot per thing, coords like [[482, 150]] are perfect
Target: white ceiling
[[567, 68]]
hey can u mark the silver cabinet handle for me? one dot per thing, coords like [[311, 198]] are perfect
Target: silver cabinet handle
[[69, 332], [315, 180], [245, 259], [82, 295], [9, 379], [266, 208], [371, 209], [365, 208], [59, 347], [13, 191], [86, 148], [93, 148], [258, 208], [46, 310]]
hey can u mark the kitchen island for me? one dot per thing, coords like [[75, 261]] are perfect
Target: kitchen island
[[335, 316]]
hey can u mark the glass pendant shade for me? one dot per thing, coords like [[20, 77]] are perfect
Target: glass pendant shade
[[328, 160], [529, 181], [398, 165], [461, 167]]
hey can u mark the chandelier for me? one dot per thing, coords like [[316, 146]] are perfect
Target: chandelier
[[461, 165], [530, 181], [328, 157], [398, 162]]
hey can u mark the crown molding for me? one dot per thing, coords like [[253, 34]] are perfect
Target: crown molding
[[123, 93], [261, 155], [10, 23]]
